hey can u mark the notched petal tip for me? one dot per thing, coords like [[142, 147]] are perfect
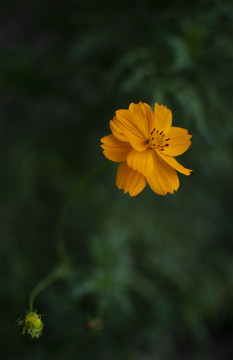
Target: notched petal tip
[[162, 118], [129, 180], [174, 163], [132, 131], [164, 178]]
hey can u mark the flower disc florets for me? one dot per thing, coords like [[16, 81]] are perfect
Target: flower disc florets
[[157, 140]]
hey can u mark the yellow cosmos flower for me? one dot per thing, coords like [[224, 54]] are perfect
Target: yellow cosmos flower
[[145, 143]]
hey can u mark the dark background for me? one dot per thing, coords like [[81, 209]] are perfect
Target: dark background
[[157, 270]]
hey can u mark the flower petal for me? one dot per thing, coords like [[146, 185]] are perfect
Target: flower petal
[[123, 134], [116, 130], [131, 126], [164, 178], [141, 161], [145, 113], [130, 180], [133, 122], [114, 149], [172, 162], [179, 141], [162, 118]]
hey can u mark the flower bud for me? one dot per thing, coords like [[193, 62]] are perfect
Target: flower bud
[[32, 324]]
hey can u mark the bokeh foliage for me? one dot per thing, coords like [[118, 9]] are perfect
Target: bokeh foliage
[[157, 270]]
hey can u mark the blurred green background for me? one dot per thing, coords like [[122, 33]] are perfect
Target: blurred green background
[[158, 271]]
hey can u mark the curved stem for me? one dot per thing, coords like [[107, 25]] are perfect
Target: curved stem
[[41, 285], [63, 270], [62, 252]]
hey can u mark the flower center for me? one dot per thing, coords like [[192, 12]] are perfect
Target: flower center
[[157, 140]]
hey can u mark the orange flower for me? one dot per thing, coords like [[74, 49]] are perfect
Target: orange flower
[[145, 143]]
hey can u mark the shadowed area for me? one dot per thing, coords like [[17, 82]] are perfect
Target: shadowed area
[[149, 277]]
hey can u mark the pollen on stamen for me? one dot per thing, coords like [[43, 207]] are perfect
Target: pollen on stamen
[[161, 133], [167, 139]]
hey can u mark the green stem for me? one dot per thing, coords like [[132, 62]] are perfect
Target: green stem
[[62, 251], [41, 285], [63, 270]]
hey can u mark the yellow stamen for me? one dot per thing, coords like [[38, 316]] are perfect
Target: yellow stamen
[[156, 140]]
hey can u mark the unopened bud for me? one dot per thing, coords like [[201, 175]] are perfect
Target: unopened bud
[[32, 324]]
